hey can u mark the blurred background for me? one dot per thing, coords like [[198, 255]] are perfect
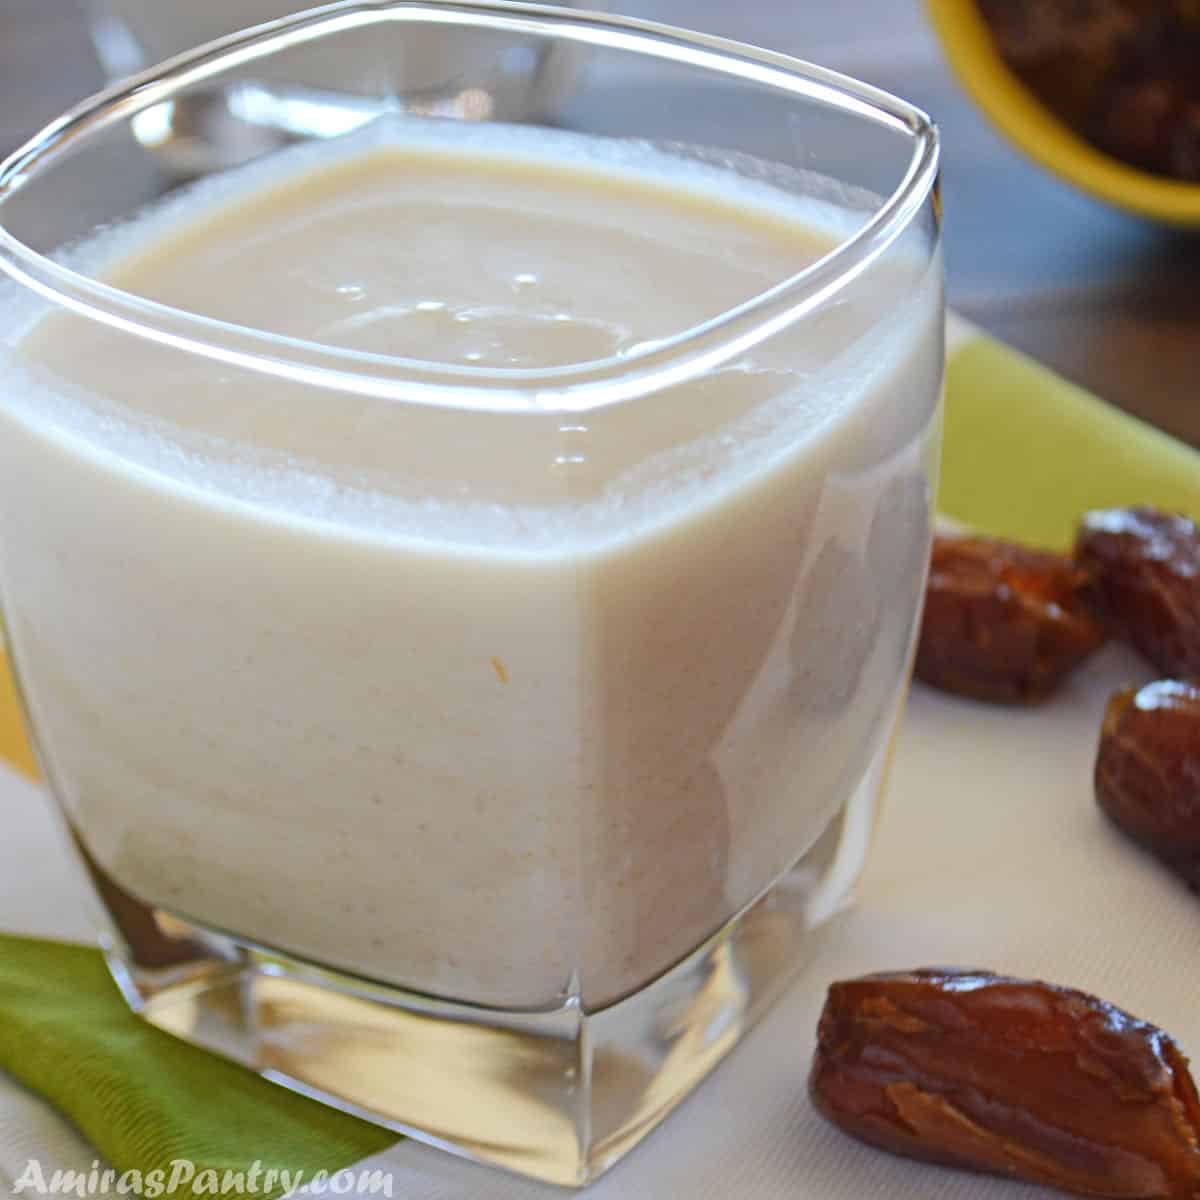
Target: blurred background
[[1109, 300]]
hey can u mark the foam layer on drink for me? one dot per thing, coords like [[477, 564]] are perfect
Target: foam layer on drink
[[476, 702], [677, 264]]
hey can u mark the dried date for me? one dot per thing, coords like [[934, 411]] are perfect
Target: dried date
[[1011, 1077], [1147, 566], [1003, 622], [1148, 771]]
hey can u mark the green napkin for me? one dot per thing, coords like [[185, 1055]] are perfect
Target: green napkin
[[143, 1098], [1025, 453]]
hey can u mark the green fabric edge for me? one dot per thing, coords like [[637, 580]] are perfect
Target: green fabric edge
[[144, 1098], [1025, 452]]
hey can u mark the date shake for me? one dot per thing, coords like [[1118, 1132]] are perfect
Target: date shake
[[487, 702]]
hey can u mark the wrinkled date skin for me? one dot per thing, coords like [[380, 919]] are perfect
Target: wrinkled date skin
[[1147, 566], [1002, 622], [1148, 771], [1011, 1077]]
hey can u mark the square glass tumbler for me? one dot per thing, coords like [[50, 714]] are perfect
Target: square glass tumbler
[[475, 748]]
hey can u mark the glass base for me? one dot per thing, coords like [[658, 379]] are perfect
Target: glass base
[[559, 1094]]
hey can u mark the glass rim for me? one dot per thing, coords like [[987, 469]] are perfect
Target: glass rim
[[577, 387]]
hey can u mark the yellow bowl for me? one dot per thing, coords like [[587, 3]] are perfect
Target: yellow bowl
[[1025, 121]]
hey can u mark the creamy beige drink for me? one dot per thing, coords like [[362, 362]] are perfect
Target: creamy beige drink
[[470, 701]]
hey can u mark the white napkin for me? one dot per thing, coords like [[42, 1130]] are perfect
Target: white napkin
[[991, 853]]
